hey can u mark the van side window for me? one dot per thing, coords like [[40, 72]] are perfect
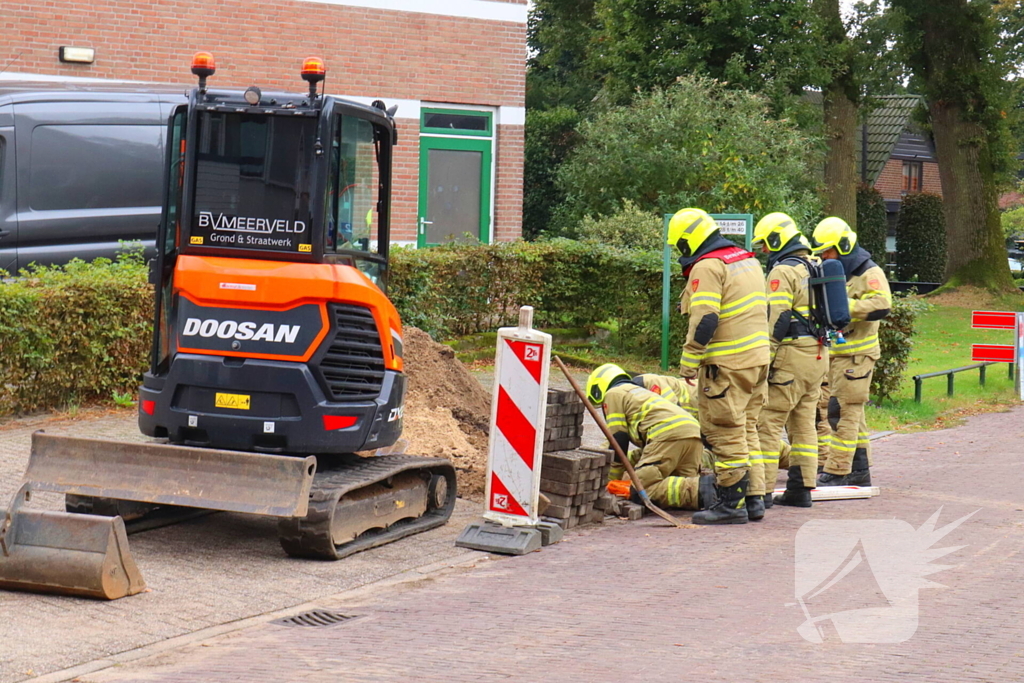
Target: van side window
[[95, 167]]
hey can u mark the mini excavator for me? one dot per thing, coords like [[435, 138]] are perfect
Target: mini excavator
[[276, 356]]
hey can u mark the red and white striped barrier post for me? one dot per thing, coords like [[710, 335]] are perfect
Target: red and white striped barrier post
[[1001, 353], [518, 408]]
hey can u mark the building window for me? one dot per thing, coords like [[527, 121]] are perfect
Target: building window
[[912, 176]]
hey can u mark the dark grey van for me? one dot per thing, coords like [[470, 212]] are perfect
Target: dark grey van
[[81, 168]]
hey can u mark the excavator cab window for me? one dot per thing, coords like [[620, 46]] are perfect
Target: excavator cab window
[[352, 197], [253, 180]]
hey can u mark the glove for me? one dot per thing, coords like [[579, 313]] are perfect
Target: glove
[[687, 373]]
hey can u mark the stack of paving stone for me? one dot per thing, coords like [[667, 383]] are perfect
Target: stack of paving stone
[[574, 483], [563, 425]]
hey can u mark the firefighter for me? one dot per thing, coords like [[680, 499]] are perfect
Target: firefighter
[[799, 361], [727, 350], [668, 463], [681, 392], [852, 363]]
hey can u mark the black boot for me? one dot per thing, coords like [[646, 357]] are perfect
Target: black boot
[[755, 508], [861, 474], [707, 492], [829, 479], [796, 494], [769, 500], [731, 507]]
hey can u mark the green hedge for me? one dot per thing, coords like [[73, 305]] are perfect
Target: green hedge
[[458, 290], [73, 334], [872, 224], [921, 239], [82, 332]]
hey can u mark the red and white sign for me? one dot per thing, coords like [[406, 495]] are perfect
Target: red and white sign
[[993, 320], [993, 353], [518, 408]]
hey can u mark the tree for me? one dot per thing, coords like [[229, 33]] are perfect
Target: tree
[[696, 143], [761, 45], [558, 71], [840, 95], [550, 136], [951, 48]]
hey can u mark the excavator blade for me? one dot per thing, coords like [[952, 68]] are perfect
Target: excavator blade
[[234, 481], [67, 554]]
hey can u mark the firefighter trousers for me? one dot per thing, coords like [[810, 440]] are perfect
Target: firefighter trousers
[[821, 421], [850, 380], [730, 403], [669, 469], [794, 383]]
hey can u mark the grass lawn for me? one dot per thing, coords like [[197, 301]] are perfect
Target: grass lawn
[[943, 341]]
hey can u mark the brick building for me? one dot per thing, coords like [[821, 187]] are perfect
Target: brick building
[[899, 157], [456, 68]]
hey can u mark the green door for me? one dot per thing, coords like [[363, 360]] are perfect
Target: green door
[[455, 190]]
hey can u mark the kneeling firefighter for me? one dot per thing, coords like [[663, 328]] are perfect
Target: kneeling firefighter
[[852, 363], [799, 358], [727, 350], [668, 464]]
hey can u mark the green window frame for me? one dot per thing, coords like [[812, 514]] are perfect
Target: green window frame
[[487, 116]]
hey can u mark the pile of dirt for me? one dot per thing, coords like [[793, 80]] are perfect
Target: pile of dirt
[[447, 411]]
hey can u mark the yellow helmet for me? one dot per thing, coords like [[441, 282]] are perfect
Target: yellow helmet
[[601, 379], [776, 230], [693, 227], [834, 232]]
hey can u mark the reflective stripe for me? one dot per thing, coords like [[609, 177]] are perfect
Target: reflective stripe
[[756, 457], [781, 297], [844, 449], [744, 304], [615, 423], [770, 456], [844, 441], [802, 310], [852, 347], [689, 360], [667, 425], [705, 299], [753, 341], [733, 464]]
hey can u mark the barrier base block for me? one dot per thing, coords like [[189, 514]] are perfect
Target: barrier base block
[[550, 533], [491, 537]]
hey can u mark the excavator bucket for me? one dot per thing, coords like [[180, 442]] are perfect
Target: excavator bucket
[[88, 555], [56, 552], [233, 481]]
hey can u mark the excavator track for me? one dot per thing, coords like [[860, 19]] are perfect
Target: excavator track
[[360, 503]]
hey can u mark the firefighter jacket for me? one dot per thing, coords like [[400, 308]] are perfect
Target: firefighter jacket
[[645, 416], [671, 389], [789, 303], [728, 314], [870, 300]]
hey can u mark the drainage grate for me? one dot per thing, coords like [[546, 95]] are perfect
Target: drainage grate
[[317, 617]]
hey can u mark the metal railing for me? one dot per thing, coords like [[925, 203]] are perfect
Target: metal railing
[[950, 374]]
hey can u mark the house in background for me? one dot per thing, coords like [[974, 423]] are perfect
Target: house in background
[[899, 157], [456, 70]]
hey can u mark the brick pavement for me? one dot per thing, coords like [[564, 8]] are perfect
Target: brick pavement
[[644, 602]]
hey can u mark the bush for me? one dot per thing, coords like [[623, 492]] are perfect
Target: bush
[[73, 334], [457, 290], [1013, 226], [872, 224], [896, 338], [550, 136], [630, 227], [696, 143], [921, 239]]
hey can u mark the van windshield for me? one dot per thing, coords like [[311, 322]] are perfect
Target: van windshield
[[252, 182]]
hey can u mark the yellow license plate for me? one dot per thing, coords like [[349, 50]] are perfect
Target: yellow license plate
[[236, 401]]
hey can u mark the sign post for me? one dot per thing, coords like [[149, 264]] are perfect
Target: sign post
[[1002, 353], [731, 225], [518, 409]]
